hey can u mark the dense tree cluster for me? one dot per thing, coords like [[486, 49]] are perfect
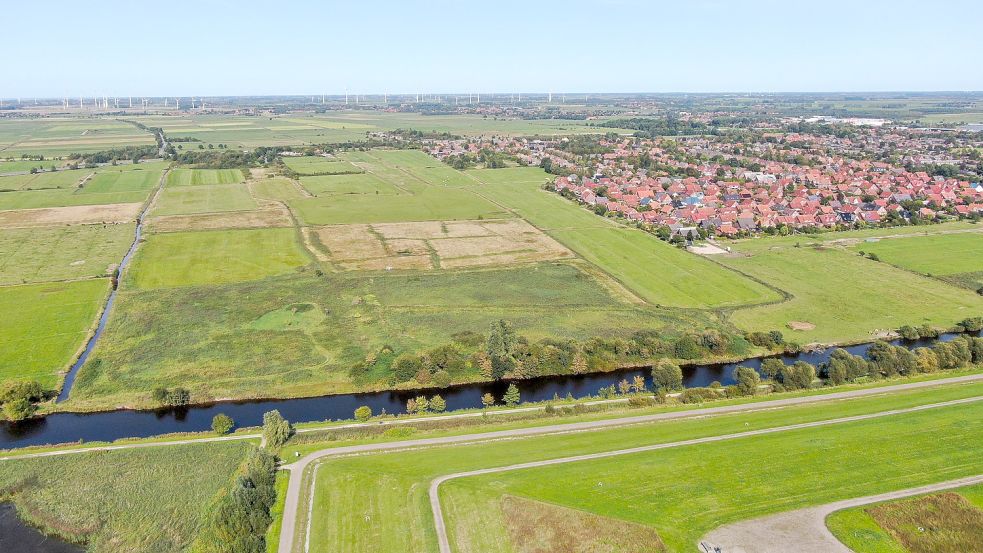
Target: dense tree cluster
[[19, 399], [650, 127], [238, 519]]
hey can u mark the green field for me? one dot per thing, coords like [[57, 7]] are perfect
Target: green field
[[279, 189], [194, 177], [69, 178], [360, 183], [44, 325], [104, 185], [215, 257], [61, 253], [429, 204], [62, 136], [858, 530], [150, 500], [16, 166], [845, 296], [210, 338], [187, 200], [298, 129], [317, 165], [378, 502], [939, 254]]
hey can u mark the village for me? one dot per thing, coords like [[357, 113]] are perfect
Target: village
[[774, 182]]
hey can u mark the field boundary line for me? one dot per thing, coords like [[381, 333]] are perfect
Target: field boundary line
[[299, 467], [434, 490]]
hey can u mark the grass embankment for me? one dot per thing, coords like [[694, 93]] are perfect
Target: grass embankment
[[151, 500], [390, 509], [936, 523]]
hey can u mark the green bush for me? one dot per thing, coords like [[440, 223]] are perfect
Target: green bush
[[222, 424]]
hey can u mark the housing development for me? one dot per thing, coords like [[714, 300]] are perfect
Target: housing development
[[519, 277]]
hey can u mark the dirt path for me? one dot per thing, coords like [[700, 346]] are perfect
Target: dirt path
[[300, 478], [804, 529]]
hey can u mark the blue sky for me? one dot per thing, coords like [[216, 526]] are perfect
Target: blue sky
[[243, 47]]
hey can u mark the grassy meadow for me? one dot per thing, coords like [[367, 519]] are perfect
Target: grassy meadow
[[103, 185], [378, 502], [194, 177], [152, 500], [60, 136], [214, 257], [952, 522], [44, 325], [839, 296], [61, 252], [187, 200]]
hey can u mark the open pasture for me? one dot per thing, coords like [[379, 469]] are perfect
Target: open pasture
[[129, 500], [356, 183], [44, 324], [194, 177], [319, 165], [430, 204], [81, 187], [215, 257], [54, 136], [276, 189], [68, 178], [846, 297], [61, 253], [210, 338], [378, 502], [273, 216], [938, 254], [189, 200], [25, 165]]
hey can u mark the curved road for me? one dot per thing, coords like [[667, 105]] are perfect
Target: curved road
[[295, 486], [804, 529]]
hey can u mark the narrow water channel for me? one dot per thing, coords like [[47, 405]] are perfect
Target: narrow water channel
[[113, 425], [66, 387]]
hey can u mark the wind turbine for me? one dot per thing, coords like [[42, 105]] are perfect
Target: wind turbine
[[131, 101]]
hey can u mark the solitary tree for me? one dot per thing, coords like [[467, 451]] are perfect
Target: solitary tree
[[488, 400], [363, 413], [276, 429], [222, 423], [511, 397], [667, 376]]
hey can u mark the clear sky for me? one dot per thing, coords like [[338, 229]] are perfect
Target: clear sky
[[226, 47]]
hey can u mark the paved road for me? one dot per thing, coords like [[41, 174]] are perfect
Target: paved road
[[434, 492], [804, 529], [296, 484]]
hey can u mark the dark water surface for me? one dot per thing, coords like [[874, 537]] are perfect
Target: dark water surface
[[113, 425], [18, 537]]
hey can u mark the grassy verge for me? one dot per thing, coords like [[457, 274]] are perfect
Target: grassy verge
[[273, 533]]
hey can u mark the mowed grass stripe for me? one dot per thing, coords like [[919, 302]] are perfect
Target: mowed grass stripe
[[44, 325], [195, 177]]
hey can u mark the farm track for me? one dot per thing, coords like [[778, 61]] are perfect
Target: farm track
[[296, 486]]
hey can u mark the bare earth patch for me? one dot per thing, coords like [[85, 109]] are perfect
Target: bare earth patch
[[932, 524], [261, 218], [536, 527], [73, 215], [801, 325]]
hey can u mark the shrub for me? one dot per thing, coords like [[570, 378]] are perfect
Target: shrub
[[698, 395], [406, 366], [771, 367], [797, 376], [222, 424], [437, 404], [363, 413], [511, 397], [686, 347]]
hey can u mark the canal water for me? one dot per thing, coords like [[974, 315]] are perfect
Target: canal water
[[16, 536], [113, 425]]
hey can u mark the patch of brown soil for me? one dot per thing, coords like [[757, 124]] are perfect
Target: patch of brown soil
[[73, 215], [801, 325], [274, 216], [536, 527]]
